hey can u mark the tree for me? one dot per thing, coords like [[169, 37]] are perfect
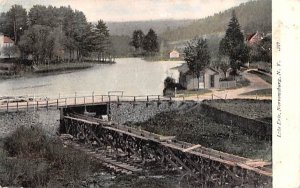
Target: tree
[[222, 63], [137, 40], [15, 22], [150, 43], [35, 42], [233, 45], [197, 56], [101, 39]]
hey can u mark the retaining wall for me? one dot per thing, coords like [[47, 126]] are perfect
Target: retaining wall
[[128, 112], [49, 120], [253, 127]]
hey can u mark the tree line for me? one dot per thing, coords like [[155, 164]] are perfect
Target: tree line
[[51, 34], [253, 16], [145, 44], [233, 51]]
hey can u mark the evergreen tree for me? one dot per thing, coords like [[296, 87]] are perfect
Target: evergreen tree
[[150, 43], [137, 40], [233, 45], [197, 56], [14, 22]]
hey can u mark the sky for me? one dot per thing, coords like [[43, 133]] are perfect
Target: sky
[[133, 10]]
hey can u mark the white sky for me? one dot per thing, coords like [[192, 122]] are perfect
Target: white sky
[[128, 10]]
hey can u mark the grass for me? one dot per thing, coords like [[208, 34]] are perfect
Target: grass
[[191, 125], [248, 108], [31, 158], [187, 93], [263, 76], [260, 92]]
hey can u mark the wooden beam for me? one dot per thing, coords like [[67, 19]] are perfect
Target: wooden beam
[[81, 120], [191, 148]]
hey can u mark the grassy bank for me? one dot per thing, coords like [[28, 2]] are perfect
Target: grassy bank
[[31, 158], [61, 67], [260, 92], [263, 76], [191, 125], [187, 93]]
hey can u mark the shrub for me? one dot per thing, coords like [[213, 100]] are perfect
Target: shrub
[[31, 158]]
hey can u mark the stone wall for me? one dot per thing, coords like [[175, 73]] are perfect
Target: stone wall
[[253, 127], [128, 112], [49, 120]]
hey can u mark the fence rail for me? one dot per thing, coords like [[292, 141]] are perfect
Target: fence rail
[[12, 105]]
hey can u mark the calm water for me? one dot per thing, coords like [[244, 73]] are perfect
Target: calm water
[[134, 76]]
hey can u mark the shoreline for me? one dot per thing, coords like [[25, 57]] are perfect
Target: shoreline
[[45, 70]]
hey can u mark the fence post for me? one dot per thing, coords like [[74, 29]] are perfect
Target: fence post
[[101, 98], [147, 98], [57, 103], [37, 105], [17, 106], [27, 106], [7, 105], [65, 101], [47, 104], [93, 97]]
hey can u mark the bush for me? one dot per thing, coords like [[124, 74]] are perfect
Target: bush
[[31, 158]]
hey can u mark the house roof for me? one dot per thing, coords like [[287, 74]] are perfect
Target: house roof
[[7, 40], [184, 68], [256, 38]]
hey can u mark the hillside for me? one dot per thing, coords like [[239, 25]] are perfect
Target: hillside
[[160, 26], [253, 16]]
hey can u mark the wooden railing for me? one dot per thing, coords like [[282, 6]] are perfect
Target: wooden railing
[[11, 105]]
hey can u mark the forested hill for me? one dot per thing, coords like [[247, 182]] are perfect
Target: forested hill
[[253, 16], [159, 26]]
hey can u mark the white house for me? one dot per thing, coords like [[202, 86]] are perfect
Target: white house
[[189, 80], [6, 47], [174, 54]]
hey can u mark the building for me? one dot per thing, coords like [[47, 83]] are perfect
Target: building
[[255, 38], [7, 49], [174, 54], [190, 81]]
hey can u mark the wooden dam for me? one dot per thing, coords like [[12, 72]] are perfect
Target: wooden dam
[[128, 150]]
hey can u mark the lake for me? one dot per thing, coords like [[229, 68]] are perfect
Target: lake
[[134, 76]]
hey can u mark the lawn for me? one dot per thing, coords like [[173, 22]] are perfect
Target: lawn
[[191, 125], [187, 93], [260, 92], [262, 76], [249, 108]]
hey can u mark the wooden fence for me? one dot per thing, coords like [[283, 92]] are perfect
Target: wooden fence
[[227, 84], [12, 105]]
